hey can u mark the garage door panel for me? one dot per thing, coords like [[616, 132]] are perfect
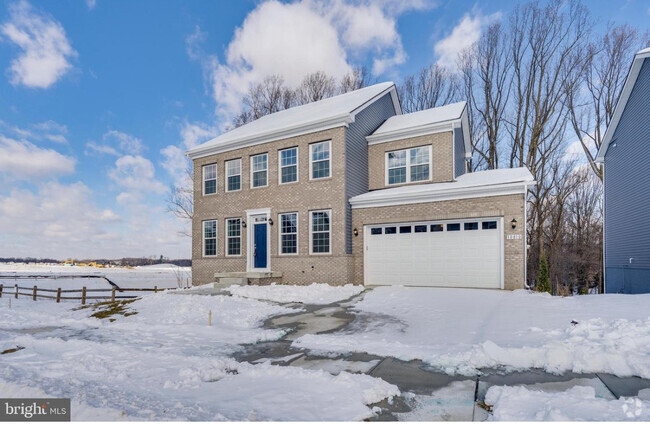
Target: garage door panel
[[463, 258]]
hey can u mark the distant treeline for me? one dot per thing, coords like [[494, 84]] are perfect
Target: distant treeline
[[115, 262]]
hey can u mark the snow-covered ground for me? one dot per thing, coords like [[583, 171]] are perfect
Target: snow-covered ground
[[316, 293], [461, 330]]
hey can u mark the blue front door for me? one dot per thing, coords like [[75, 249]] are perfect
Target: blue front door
[[259, 247]]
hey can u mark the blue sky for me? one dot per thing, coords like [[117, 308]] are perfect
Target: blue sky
[[99, 99]]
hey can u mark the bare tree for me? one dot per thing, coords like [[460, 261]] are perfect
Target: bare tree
[[592, 108], [267, 97], [180, 200], [430, 87], [315, 87], [354, 80], [487, 80]]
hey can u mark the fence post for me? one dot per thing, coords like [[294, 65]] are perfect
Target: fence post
[[187, 283], [113, 295], [83, 295], [34, 293], [58, 295], [155, 289], [1, 286], [16, 291]]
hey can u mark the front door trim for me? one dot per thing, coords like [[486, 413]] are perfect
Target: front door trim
[[251, 215]]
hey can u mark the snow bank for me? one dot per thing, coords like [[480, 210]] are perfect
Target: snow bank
[[460, 331], [316, 293], [576, 404]]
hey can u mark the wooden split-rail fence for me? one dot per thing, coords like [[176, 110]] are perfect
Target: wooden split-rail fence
[[84, 294]]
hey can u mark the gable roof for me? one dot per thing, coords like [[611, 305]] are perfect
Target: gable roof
[[622, 101], [478, 184], [325, 114], [442, 118]]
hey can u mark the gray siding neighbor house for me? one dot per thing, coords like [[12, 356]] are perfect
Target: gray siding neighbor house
[[626, 181]]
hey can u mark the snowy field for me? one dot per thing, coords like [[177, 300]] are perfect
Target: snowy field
[[158, 359]]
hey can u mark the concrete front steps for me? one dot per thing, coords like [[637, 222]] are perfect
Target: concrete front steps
[[226, 279]]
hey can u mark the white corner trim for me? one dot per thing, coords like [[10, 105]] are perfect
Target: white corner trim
[[630, 81], [419, 197]]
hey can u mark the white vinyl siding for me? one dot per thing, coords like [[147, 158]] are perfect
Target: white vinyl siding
[[408, 165], [233, 175], [320, 232], [210, 238], [233, 237], [288, 170], [209, 179], [260, 170], [320, 160], [288, 233]]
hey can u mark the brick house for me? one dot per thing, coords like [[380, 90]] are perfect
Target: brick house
[[350, 190]]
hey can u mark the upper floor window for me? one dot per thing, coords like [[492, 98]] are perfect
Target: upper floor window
[[209, 179], [319, 164], [408, 165], [259, 170], [210, 238], [233, 236], [288, 165], [233, 175]]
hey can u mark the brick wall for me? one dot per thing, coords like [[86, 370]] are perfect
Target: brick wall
[[442, 153]]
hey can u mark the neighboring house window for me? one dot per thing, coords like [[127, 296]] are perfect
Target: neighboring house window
[[210, 238], [259, 170], [209, 179], [408, 165], [320, 231], [289, 233], [319, 164], [233, 175], [289, 165], [233, 236]]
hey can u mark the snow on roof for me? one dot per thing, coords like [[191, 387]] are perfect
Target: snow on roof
[[630, 81], [326, 113], [469, 185], [427, 117]]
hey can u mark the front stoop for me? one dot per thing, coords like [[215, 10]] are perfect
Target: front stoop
[[225, 279]]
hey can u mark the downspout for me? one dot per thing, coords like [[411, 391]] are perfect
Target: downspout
[[526, 237]]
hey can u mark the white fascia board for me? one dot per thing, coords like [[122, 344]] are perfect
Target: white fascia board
[[374, 139], [340, 121], [630, 81], [444, 195]]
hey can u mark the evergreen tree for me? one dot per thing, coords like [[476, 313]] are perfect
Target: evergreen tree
[[544, 283]]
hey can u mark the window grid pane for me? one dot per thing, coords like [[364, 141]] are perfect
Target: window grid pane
[[259, 167], [233, 175], [259, 178], [210, 179], [289, 233], [320, 231], [289, 174], [397, 175], [289, 165], [419, 173], [234, 183], [233, 236], [210, 237], [320, 159], [321, 169]]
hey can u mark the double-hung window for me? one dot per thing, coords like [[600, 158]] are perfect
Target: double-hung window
[[408, 165], [319, 163], [209, 179], [259, 170], [320, 229], [233, 175], [233, 236], [289, 233], [288, 165], [210, 238]]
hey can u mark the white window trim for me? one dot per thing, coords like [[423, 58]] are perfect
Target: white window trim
[[311, 233], [297, 233], [408, 165], [311, 161], [226, 175], [267, 170], [216, 179], [297, 165], [233, 237], [216, 239]]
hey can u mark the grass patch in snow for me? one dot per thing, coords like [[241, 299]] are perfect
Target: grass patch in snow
[[12, 350], [107, 309]]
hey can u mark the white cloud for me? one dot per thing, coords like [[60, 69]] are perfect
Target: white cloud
[[46, 48], [137, 174], [47, 130], [126, 142], [91, 4], [95, 148], [22, 160], [299, 38], [175, 162], [463, 35]]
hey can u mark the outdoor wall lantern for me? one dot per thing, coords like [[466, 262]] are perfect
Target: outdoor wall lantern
[[355, 232], [271, 221], [514, 223], [243, 224]]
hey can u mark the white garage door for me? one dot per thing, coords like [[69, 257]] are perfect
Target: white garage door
[[455, 253]]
